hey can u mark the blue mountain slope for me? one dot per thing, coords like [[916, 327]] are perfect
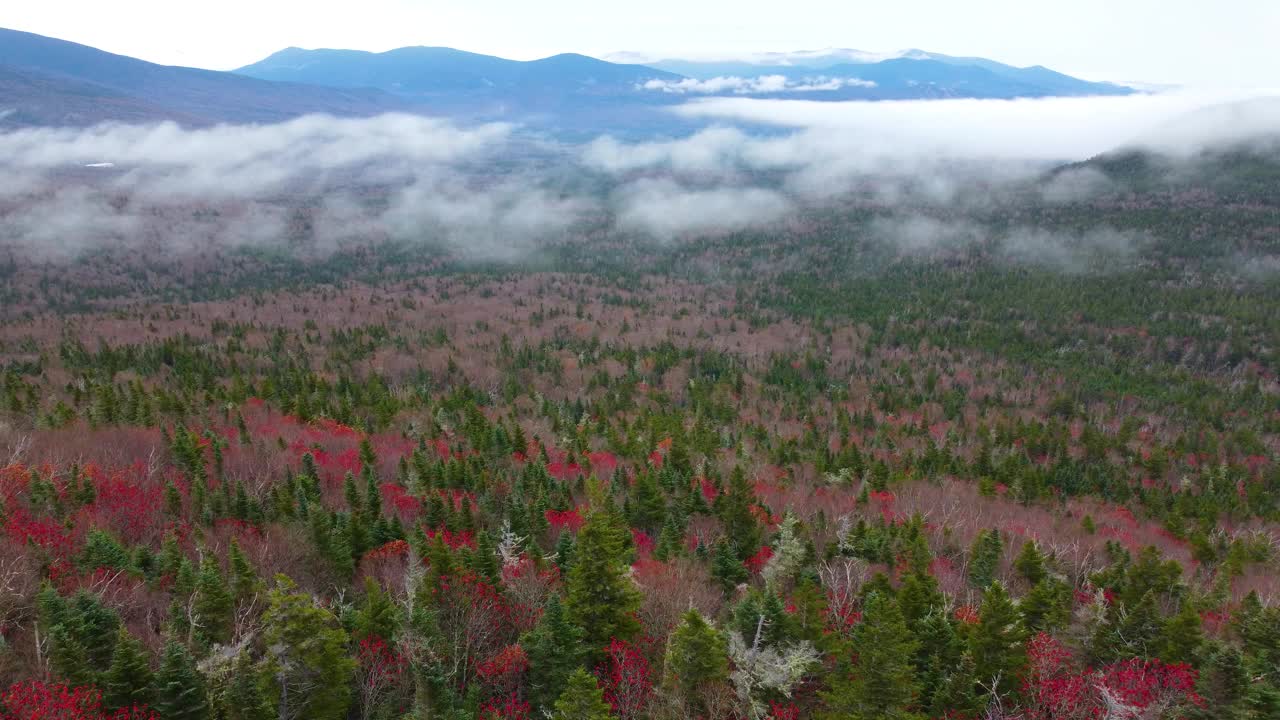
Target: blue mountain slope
[[418, 71], [44, 74], [931, 74]]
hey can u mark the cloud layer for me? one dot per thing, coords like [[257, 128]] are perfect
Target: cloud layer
[[760, 85], [491, 192]]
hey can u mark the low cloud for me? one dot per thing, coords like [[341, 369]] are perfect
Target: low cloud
[[1048, 129], [759, 85], [666, 210], [490, 192]]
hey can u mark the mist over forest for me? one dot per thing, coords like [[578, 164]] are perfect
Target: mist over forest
[[433, 385]]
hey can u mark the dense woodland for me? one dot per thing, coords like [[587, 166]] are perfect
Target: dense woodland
[[805, 471]]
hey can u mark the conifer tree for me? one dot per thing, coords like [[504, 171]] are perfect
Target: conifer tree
[[1030, 563], [601, 598], [1183, 636], [244, 698], [554, 648], [179, 688], [243, 581], [984, 558], [697, 654], [734, 507], [647, 507], [378, 615], [213, 604], [1047, 607], [879, 678], [582, 699], [996, 641], [1129, 631], [308, 657], [1224, 684], [128, 681], [726, 567]]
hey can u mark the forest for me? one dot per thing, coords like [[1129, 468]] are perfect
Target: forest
[[998, 460]]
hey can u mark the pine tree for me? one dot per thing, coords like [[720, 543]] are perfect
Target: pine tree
[[1030, 563], [734, 507], [309, 658], [984, 558], [213, 604], [484, 561], [697, 654], [378, 615], [996, 641], [243, 580], [919, 596], [1224, 684], [647, 505], [938, 654], [554, 648], [1183, 637], [726, 567], [1129, 631], [1047, 607], [882, 683], [68, 658], [128, 681], [601, 598], [582, 699], [180, 690], [244, 699], [671, 540]]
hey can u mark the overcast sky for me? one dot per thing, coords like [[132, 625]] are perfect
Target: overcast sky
[[1232, 43]]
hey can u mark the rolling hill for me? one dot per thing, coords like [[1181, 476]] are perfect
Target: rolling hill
[[45, 81]]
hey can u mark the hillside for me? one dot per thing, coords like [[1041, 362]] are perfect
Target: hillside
[[50, 81]]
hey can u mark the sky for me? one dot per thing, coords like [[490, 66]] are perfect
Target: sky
[[1227, 43]]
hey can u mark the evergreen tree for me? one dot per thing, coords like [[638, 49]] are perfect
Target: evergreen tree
[[697, 654], [647, 506], [919, 596], [726, 567], [128, 681], [1183, 637], [601, 598], [996, 641], [1129, 632], [308, 657], [882, 681], [984, 558], [213, 605], [244, 698], [1030, 563], [1224, 684], [68, 658], [582, 699], [180, 690], [554, 648], [938, 654], [734, 507], [377, 616], [243, 581], [1047, 607]]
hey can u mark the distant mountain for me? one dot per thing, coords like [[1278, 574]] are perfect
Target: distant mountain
[[45, 81], [904, 74], [432, 72], [445, 75]]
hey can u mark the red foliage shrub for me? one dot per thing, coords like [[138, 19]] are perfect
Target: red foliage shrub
[[36, 700], [624, 676], [756, 562], [570, 520]]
